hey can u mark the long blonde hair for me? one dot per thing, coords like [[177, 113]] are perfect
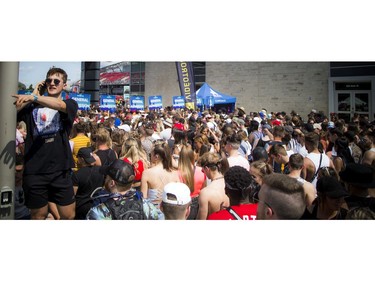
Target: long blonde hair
[[186, 165], [131, 151]]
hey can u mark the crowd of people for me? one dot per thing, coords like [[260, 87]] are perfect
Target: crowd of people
[[188, 164]]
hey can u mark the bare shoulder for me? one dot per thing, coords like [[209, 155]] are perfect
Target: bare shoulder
[[368, 157], [308, 186], [307, 162]]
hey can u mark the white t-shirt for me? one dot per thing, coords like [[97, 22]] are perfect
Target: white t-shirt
[[166, 134], [239, 161]]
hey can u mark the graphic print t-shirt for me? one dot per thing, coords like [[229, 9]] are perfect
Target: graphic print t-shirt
[[47, 147]]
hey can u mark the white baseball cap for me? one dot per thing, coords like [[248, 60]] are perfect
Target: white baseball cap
[[124, 127], [176, 193]]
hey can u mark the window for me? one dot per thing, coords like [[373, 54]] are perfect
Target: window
[[199, 69], [137, 78]]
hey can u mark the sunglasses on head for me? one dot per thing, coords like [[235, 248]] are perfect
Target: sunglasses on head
[[55, 81]]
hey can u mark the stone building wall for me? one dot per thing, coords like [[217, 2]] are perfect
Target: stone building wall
[[276, 86]]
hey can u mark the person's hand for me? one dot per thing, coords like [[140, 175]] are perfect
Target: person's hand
[[40, 88], [22, 100]]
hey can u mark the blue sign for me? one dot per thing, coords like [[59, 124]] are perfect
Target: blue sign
[[178, 102], [107, 102], [25, 92], [137, 103], [155, 102], [83, 100]]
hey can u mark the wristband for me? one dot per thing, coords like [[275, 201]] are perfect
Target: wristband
[[35, 98]]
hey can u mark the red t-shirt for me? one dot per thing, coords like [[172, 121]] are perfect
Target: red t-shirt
[[245, 211]]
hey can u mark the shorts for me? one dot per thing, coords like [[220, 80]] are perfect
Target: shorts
[[56, 187]]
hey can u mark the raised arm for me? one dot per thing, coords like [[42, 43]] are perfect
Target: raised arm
[[51, 102]]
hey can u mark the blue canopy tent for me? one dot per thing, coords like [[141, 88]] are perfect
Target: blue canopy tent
[[210, 98]]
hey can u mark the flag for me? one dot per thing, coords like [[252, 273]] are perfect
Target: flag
[[185, 75]]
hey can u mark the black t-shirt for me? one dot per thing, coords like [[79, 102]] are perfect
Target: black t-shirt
[[106, 156], [87, 179], [47, 148]]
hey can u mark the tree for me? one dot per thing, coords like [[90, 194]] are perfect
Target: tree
[[21, 86]]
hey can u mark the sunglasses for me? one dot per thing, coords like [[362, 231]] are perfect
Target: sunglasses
[[55, 81]]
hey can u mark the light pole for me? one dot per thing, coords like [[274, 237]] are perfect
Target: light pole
[[8, 86]]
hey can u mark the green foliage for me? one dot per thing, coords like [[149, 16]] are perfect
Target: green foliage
[[21, 86]]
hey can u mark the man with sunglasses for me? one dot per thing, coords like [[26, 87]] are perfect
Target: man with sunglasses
[[48, 157]]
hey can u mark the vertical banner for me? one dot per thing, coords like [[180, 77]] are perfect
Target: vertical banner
[[187, 85], [155, 102], [137, 103]]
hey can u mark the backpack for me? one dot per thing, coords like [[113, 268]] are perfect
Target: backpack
[[262, 143], [100, 195], [126, 207]]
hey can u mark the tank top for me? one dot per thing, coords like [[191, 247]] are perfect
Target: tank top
[[199, 180], [315, 158]]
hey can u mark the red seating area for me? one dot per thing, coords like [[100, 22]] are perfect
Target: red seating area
[[114, 78]]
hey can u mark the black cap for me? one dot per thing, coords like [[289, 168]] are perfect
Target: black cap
[[331, 187], [120, 171], [86, 154]]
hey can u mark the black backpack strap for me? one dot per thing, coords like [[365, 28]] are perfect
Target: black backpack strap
[[233, 213], [317, 170]]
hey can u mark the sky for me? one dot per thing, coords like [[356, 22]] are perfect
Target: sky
[[32, 72]]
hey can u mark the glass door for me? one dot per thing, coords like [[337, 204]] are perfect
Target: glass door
[[344, 106], [349, 103]]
